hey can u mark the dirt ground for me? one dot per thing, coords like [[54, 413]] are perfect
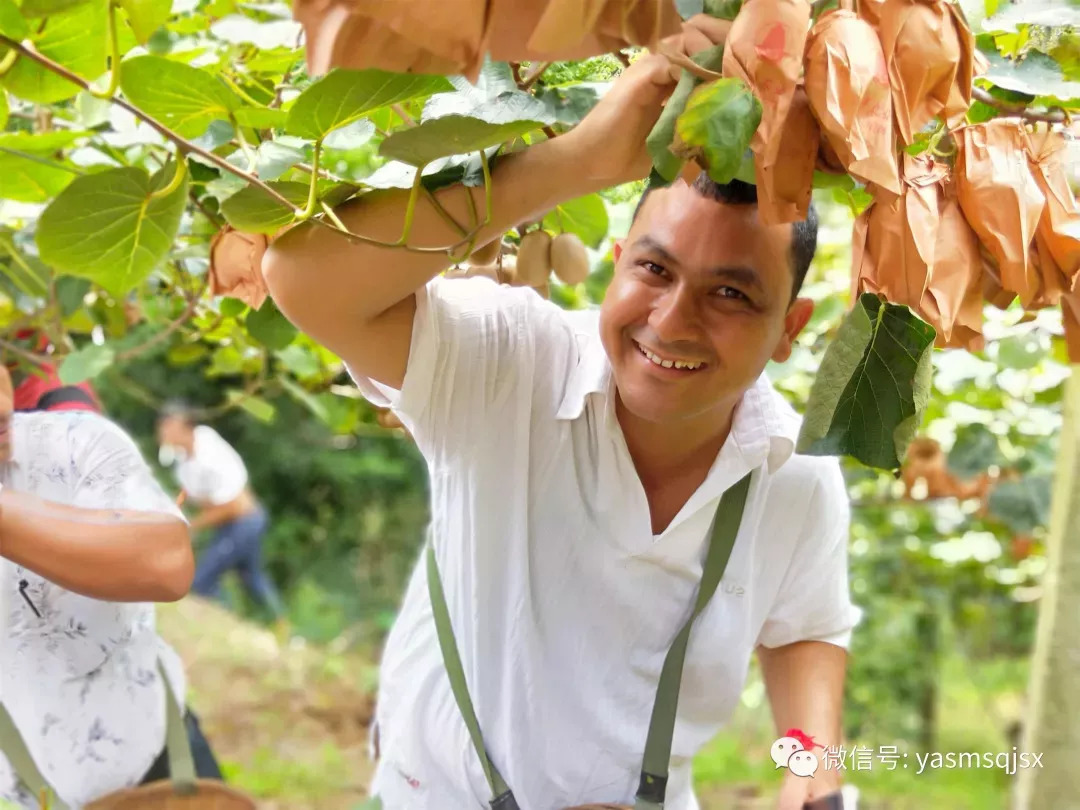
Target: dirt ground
[[289, 723]]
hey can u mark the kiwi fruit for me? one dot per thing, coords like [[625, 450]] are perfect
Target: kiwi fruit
[[569, 259], [534, 258], [486, 254]]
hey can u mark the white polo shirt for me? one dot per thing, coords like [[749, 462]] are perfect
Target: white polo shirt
[[79, 676], [563, 601], [214, 473]]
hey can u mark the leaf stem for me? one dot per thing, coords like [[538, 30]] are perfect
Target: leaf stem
[[114, 61], [404, 116], [177, 179], [332, 216], [245, 147], [442, 212], [236, 88], [313, 189], [186, 146], [410, 208], [8, 61]]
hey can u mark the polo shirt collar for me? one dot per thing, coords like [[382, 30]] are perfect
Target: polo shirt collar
[[764, 428]]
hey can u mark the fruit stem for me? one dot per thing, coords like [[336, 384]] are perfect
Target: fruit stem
[[313, 189]]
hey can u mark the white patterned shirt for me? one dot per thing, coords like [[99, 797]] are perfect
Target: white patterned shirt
[[563, 601], [81, 681]]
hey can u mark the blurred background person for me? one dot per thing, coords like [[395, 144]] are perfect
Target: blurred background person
[[90, 542], [213, 476]]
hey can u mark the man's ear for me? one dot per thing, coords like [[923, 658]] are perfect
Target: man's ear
[[798, 315], [618, 249]]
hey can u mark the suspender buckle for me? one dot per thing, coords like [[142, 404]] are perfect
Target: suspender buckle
[[505, 801], [652, 788]]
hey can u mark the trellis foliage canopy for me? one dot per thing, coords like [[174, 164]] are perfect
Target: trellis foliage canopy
[[150, 149]]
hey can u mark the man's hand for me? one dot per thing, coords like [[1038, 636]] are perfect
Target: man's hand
[[610, 140]]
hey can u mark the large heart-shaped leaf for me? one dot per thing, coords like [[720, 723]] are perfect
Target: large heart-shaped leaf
[[1037, 74], [85, 364], [268, 326], [450, 135], [183, 98], [253, 210], [146, 16], [76, 39], [342, 96], [12, 22], [45, 8], [108, 228], [261, 117], [716, 127], [31, 178], [273, 159], [658, 142], [5, 111], [586, 216], [872, 387]]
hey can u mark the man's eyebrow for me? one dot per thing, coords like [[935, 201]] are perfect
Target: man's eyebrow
[[650, 244], [747, 276]]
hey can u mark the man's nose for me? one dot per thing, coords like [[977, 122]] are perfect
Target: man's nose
[[675, 317]]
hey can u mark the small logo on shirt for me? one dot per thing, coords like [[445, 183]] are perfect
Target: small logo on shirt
[[412, 781], [732, 588], [793, 751]]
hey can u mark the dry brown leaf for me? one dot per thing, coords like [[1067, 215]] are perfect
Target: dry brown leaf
[[918, 250], [1001, 198], [929, 52], [236, 266], [764, 49], [785, 188], [848, 86], [435, 36]]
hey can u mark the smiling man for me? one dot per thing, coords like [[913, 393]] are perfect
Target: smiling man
[[577, 460]]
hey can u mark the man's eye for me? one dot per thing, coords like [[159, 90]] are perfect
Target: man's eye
[[652, 267], [731, 292]]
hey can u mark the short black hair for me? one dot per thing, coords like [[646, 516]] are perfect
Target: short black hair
[[803, 232], [177, 409]]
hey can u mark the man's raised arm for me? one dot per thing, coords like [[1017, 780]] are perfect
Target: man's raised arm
[[357, 298]]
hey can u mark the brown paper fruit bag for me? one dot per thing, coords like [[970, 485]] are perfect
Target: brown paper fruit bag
[[1070, 314], [435, 36], [848, 86], [929, 52], [236, 266], [765, 50], [954, 295], [405, 37], [786, 187], [1001, 198], [918, 250], [1059, 226]]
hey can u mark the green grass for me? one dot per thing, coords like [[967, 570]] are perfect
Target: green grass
[[269, 775]]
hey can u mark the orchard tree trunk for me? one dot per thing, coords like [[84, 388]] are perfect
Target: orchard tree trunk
[[1052, 719]]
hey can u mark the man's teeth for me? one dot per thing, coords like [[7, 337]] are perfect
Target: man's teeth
[[669, 363]]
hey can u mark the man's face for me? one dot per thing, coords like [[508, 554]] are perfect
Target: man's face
[[701, 283], [173, 432]]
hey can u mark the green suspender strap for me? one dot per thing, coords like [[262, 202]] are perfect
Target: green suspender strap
[[503, 798], [654, 770], [654, 767], [181, 764]]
